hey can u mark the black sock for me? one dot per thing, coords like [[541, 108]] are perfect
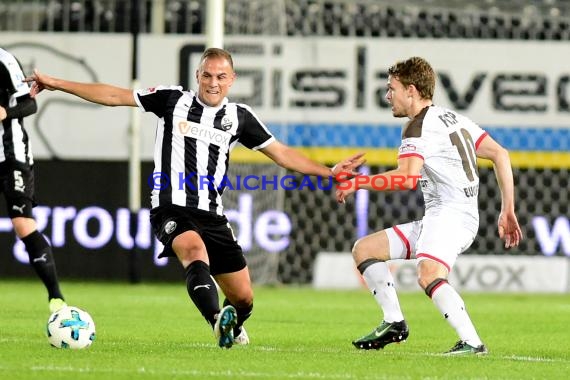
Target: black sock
[[42, 260], [243, 313], [202, 290]]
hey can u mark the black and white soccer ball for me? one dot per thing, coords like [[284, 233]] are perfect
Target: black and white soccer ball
[[71, 327]]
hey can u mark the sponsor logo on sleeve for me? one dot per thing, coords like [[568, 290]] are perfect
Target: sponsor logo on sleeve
[[406, 148]]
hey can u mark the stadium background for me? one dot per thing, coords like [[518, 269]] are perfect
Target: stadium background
[[81, 152]]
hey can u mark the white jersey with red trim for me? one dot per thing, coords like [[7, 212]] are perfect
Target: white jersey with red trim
[[447, 142]]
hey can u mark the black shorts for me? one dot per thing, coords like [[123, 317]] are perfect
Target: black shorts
[[224, 252], [18, 187]]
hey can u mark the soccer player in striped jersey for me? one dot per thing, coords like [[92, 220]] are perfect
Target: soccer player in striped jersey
[[442, 147], [17, 173], [196, 132]]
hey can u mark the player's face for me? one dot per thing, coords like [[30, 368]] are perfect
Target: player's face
[[399, 97], [215, 77]]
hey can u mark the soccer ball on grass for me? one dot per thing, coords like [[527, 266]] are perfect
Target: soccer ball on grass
[[70, 327]]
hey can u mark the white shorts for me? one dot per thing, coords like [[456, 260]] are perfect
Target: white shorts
[[435, 238]]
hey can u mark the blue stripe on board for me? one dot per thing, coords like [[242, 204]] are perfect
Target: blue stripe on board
[[388, 136]]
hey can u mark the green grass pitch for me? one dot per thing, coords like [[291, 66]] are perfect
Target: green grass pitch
[[153, 331]]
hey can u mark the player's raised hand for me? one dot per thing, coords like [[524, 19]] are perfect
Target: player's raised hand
[[349, 165], [344, 189], [509, 229], [39, 82]]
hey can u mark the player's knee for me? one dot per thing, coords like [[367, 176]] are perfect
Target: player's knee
[[189, 248], [359, 251], [190, 254], [429, 271], [424, 280], [367, 249], [23, 226], [243, 299]]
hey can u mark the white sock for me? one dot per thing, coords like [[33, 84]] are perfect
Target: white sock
[[451, 305], [381, 283]]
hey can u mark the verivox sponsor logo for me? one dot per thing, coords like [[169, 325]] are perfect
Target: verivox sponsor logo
[[200, 132]]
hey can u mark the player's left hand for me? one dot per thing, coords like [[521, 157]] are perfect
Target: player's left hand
[[509, 229], [3, 113], [349, 165]]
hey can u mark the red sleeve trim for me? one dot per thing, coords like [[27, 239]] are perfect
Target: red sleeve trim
[[480, 139], [405, 155]]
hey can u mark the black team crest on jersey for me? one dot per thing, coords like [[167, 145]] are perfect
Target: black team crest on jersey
[[226, 123]]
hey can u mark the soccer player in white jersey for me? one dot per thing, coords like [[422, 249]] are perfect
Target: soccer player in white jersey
[[17, 173], [441, 146], [196, 132]]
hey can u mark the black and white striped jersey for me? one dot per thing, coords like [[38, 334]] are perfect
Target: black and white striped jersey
[[15, 143], [193, 142]]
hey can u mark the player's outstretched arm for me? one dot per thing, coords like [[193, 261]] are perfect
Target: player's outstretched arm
[[292, 159], [99, 93], [349, 165], [508, 225], [404, 177]]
